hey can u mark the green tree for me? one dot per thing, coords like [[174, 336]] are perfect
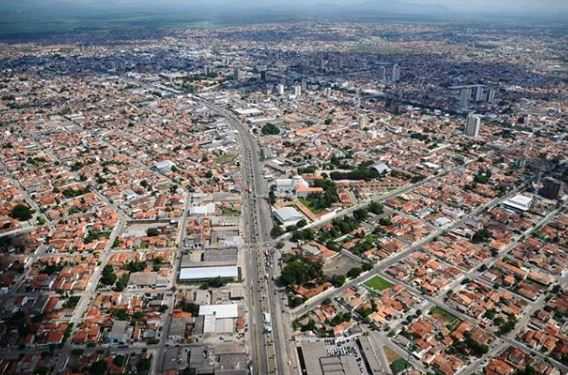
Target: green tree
[[108, 276], [21, 212], [360, 214], [143, 365], [354, 272], [385, 221], [482, 177], [98, 368], [122, 282], [481, 235], [276, 231], [118, 360], [190, 307], [299, 270], [376, 208], [337, 280], [152, 232], [270, 129], [120, 314]]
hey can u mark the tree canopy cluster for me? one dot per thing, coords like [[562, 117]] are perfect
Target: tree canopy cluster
[[482, 177], [21, 212], [339, 227], [482, 235], [108, 276], [327, 198], [361, 172], [376, 208], [270, 129], [300, 270]]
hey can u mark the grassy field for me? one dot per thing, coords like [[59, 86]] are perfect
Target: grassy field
[[451, 321], [225, 158], [308, 204], [377, 283], [228, 211]]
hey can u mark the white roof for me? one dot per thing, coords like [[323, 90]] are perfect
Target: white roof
[[202, 273], [441, 221], [261, 119], [224, 325], [431, 165], [209, 324], [288, 214], [207, 209], [248, 111], [220, 311], [164, 164], [381, 167], [284, 182], [520, 202]]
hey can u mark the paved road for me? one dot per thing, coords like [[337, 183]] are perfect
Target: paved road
[[159, 358], [269, 350], [309, 305], [91, 289], [503, 341]]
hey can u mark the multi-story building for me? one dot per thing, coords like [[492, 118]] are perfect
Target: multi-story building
[[472, 125]]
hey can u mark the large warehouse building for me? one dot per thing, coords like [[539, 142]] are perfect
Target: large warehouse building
[[196, 274]]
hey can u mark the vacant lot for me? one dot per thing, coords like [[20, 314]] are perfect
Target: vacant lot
[[450, 320], [339, 265], [390, 354]]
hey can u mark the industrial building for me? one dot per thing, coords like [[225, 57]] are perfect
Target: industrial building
[[198, 274]]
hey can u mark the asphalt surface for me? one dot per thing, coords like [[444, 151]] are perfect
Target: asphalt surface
[[269, 351], [159, 360]]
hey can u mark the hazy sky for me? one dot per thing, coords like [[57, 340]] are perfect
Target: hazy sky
[[455, 5], [558, 8]]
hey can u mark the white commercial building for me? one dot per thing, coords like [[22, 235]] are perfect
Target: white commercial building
[[519, 202], [164, 166], [208, 273], [230, 310], [219, 318], [288, 216]]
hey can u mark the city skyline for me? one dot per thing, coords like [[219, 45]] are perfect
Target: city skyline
[[310, 189]]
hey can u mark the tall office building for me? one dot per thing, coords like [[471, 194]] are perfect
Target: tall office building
[[363, 121], [465, 96], [382, 74], [478, 93], [395, 73], [263, 75], [237, 74], [297, 91], [525, 120], [322, 63], [280, 89], [472, 125], [491, 95], [551, 188]]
